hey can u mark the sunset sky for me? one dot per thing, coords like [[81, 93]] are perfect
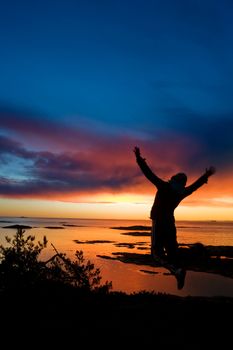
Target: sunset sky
[[83, 82]]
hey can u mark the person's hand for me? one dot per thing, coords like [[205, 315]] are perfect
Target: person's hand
[[137, 152], [210, 171]]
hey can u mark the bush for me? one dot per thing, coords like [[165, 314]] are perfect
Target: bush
[[20, 267]]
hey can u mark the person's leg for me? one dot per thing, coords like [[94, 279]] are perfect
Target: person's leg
[[171, 244], [164, 236], [157, 249], [173, 263]]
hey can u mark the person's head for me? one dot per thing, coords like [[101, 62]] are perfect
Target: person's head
[[179, 179]]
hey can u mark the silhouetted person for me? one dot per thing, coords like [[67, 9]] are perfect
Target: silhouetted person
[[164, 245]]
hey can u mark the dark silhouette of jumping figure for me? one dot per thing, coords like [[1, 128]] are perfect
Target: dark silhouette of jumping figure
[[164, 245]]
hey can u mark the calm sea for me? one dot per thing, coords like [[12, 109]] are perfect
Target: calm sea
[[97, 237]]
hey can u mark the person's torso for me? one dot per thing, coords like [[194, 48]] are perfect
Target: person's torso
[[166, 201]]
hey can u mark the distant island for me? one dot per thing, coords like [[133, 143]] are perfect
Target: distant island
[[18, 226], [137, 227]]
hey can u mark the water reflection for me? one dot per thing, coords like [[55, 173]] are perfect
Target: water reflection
[[99, 239]]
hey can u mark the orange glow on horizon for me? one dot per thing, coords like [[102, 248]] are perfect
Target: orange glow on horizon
[[118, 206]]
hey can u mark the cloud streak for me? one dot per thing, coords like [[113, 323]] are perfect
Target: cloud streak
[[66, 161]]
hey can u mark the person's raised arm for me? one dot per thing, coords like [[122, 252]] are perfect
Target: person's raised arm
[[201, 181], [146, 169]]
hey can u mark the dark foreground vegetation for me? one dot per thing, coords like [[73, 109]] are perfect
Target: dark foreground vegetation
[[64, 300]]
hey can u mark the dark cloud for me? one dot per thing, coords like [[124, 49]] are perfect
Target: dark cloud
[[105, 162], [41, 131], [9, 146], [58, 173]]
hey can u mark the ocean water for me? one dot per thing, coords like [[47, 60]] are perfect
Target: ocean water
[[98, 238]]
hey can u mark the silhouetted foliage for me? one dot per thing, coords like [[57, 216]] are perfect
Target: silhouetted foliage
[[20, 267]]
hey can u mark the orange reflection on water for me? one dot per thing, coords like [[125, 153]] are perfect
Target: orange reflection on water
[[130, 277]]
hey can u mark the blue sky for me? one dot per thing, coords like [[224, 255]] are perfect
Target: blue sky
[[151, 72], [117, 61]]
